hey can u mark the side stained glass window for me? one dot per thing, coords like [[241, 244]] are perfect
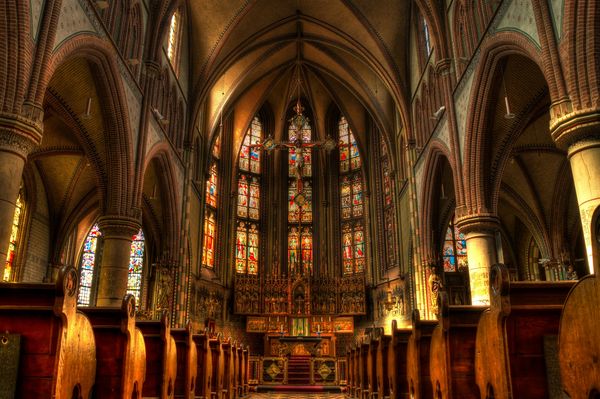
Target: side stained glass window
[[136, 267], [454, 251], [87, 266], [174, 36], [351, 201], [248, 201], [14, 236], [208, 248], [211, 186]]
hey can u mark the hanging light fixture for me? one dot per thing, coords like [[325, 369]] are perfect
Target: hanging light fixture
[[509, 114]]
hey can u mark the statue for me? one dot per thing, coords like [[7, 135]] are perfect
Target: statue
[[435, 284]]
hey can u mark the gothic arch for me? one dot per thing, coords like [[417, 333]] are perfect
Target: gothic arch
[[493, 51]]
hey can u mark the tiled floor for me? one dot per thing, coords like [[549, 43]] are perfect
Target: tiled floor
[[279, 395]]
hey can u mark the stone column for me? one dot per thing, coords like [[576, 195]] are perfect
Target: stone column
[[480, 234], [118, 232], [579, 134], [18, 136]]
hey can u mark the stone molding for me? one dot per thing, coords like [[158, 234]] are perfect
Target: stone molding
[[577, 126], [485, 222], [119, 227], [18, 134]]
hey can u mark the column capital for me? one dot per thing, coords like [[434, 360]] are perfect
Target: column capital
[[117, 226], [483, 222], [579, 125], [18, 134]]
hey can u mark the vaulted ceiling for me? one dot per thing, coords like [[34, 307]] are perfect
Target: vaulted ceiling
[[353, 53]]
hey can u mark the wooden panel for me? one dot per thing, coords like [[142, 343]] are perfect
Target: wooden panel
[[204, 367], [187, 363], [452, 358], [121, 352], [217, 367], [10, 349], [58, 353], [417, 357], [579, 340], [382, 366], [161, 358], [397, 353]]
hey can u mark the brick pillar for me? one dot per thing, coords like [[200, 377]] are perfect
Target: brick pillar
[[118, 232], [18, 136], [579, 134], [480, 234]]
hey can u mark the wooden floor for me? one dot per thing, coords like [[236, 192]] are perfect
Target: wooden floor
[[279, 395]]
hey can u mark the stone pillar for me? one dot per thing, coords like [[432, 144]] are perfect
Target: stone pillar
[[18, 136], [584, 157], [480, 234], [117, 232], [579, 134]]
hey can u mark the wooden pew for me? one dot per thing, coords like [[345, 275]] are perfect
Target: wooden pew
[[227, 368], [372, 366], [245, 371], [218, 366], [417, 357], [57, 349], [187, 363], [120, 351], [382, 366], [161, 358], [239, 382], [397, 375], [509, 352], [350, 381], [363, 370], [452, 356], [579, 340], [204, 366]]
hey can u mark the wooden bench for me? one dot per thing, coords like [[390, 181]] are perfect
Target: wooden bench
[[161, 358], [363, 370], [382, 366], [350, 381], [218, 366], [510, 359], [187, 363], [227, 368], [56, 342], [579, 340], [235, 368], [245, 371], [120, 351], [397, 375], [372, 391], [452, 357], [417, 357], [204, 367]]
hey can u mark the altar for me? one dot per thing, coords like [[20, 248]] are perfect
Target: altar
[[286, 346]]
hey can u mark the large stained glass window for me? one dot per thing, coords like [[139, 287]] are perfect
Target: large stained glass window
[[87, 266], [455, 249], [12, 243], [300, 199], [174, 39], [136, 267], [246, 248], [208, 247], [351, 201], [249, 153], [248, 201]]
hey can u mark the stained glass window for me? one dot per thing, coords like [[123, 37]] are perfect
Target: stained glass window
[[87, 265], [353, 248], [307, 249], [216, 152], [426, 38], [208, 248], [248, 198], [389, 210], [351, 201], [249, 153], [300, 157], [293, 248], [349, 154], [300, 201], [387, 182], [136, 266], [174, 34], [211, 186], [246, 249], [454, 251], [12, 243]]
